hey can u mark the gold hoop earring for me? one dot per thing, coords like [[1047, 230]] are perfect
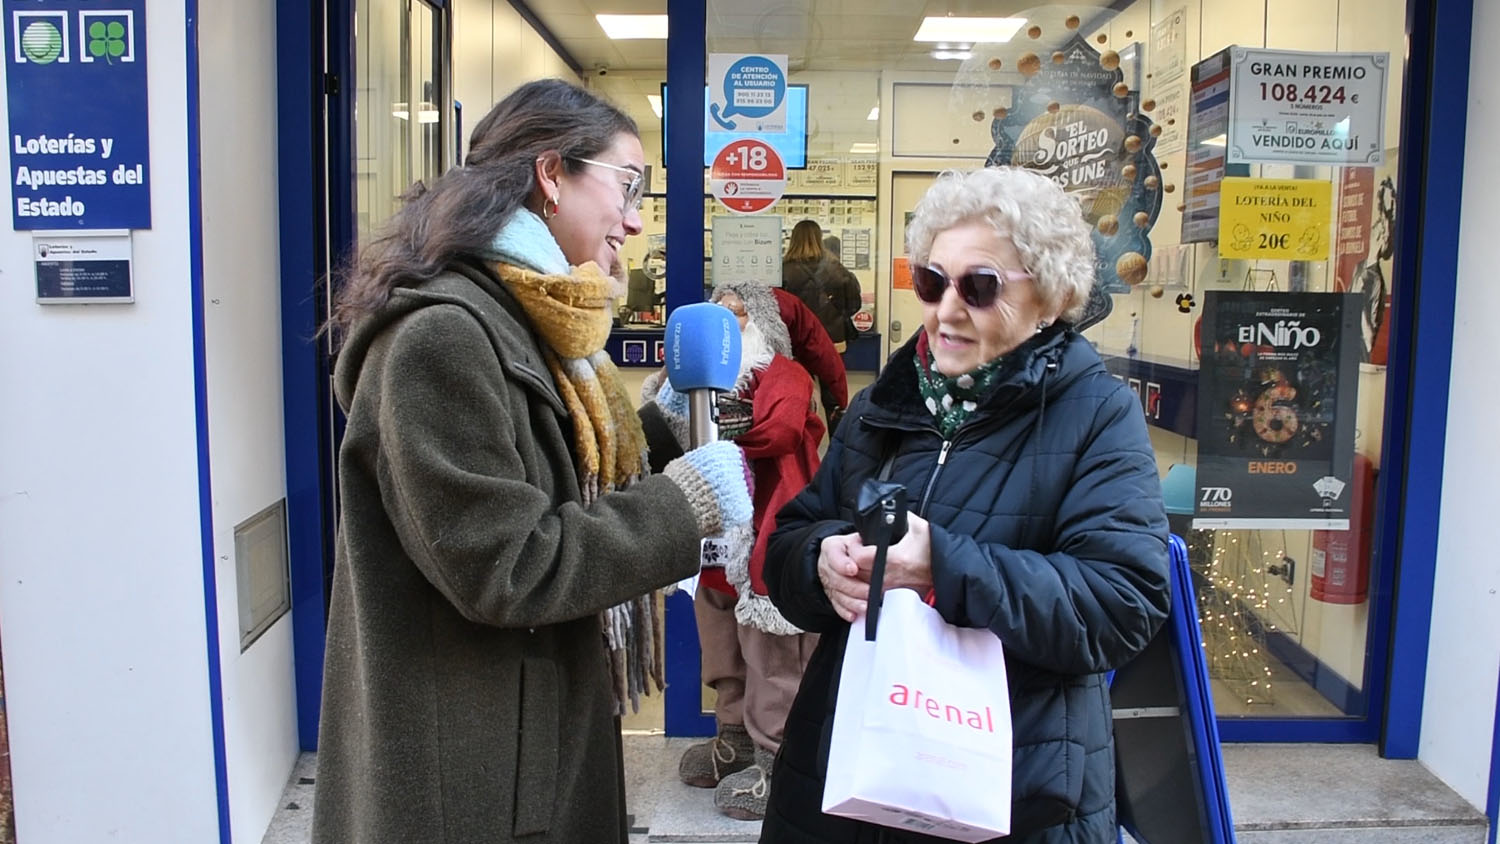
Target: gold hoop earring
[[556, 207]]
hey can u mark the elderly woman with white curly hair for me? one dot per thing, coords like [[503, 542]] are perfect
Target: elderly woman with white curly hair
[[1036, 510]]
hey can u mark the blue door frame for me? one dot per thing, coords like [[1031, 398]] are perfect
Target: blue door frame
[[1429, 196]]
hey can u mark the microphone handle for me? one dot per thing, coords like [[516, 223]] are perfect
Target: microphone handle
[[703, 418]]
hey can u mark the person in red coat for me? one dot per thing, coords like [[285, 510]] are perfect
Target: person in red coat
[[814, 349], [751, 655]]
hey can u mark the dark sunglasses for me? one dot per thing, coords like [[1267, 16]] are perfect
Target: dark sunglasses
[[979, 287]]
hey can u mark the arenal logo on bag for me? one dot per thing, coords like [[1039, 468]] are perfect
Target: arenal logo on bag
[[915, 698]]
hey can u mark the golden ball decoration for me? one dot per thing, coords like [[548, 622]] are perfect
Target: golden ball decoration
[[1164, 165], [1128, 171], [1108, 224], [1181, 207], [1029, 64], [1072, 22], [999, 113], [1141, 218], [1156, 131], [1053, 106], [978, 116], [1129, 34], [1169, 187], [996, 64], [1171, 121], [1109, 60], [1132, 143], [1157, 290], [1058, 57], [1148, 105], [1122, 90], [1034, 32], [1102, 38], [1131, 268], [1151, 182]]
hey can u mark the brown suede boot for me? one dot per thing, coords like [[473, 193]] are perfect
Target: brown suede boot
[[743, 795], [704, 765]]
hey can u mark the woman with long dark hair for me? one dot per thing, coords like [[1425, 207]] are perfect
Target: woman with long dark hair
[[497, 526]]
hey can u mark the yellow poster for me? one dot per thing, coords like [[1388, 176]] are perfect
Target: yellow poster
[[1275, 219]]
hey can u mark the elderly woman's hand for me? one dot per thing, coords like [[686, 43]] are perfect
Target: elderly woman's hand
[[908, 563], [841, 576]]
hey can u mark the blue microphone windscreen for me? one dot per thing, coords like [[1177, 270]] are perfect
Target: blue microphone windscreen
[[702, 348]]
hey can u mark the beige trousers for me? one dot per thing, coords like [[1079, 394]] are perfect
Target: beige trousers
[[755, 673]]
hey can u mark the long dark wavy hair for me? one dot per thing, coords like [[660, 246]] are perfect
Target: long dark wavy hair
[[460, 212]]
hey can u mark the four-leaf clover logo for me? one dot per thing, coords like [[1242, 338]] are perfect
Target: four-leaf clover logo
[[106, 41]]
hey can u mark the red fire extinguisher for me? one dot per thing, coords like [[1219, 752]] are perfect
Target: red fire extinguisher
[[1341, 558]]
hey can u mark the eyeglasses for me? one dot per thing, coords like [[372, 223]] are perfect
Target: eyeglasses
[[634, 189], [979, 287]]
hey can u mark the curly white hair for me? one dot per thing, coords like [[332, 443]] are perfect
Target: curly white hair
[[1045, 224]]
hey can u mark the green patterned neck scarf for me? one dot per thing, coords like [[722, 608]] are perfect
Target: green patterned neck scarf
[[951, 400]]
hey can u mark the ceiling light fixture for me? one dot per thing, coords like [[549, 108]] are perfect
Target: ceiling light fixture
[[628, 27], [655, 100], [968, 30], [960, 55]]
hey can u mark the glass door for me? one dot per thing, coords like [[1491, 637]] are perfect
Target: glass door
[[401, 115], [1117, 102]]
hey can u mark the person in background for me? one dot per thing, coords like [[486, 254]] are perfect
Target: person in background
[[812, 348], [751, 656], [1036, 508], [820, 280], [497, 525], [827, 288]]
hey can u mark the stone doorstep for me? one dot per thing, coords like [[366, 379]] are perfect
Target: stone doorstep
[[1279, 794]]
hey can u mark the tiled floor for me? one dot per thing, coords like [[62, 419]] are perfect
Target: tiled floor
[[1279, 794]]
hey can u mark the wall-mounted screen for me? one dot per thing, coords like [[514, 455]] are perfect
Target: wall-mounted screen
[[791, 144]]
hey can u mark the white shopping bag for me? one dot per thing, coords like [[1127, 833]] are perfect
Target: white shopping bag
[[922, 734]]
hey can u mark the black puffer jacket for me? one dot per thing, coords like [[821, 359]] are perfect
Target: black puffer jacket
[[1047, 528]]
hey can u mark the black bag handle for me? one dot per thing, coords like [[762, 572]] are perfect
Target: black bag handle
[[881, 520]]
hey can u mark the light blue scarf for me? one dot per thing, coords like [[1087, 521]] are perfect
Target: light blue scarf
[[526, 242]]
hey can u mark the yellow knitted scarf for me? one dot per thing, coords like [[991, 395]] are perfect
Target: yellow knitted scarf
[[571, 315]]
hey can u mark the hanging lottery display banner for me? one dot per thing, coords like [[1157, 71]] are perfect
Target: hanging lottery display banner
[[1296, 107]]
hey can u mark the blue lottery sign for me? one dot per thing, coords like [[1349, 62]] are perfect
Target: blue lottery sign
[[80, 153], [747, 93]]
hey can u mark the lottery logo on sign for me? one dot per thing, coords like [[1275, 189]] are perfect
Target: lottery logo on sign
[[747, 176]]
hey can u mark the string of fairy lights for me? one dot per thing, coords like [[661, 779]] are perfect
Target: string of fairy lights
[[1241, 599]]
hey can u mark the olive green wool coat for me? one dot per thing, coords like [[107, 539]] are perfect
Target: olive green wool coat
[[466, 692]]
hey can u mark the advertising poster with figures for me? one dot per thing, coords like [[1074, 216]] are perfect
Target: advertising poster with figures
[[1276, 410]]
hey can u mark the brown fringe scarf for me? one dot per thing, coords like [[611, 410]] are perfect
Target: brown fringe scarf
[[571, 315]]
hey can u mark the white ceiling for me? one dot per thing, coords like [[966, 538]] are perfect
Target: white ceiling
[[842, 35], [837, 46]]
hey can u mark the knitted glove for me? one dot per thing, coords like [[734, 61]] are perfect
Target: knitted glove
[[671, 401], [716, 480], [666, 408]]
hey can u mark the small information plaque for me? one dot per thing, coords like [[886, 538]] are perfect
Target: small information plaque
[[83, 267]]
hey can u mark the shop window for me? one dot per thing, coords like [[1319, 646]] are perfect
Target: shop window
[[1285, 603]]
